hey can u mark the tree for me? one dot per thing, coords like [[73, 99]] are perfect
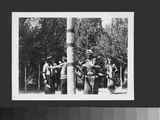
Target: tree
[[110, 41], [52, 36], [27, 34], [39, 38], [86, 34]]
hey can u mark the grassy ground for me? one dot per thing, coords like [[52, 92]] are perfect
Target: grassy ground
[[80, 92]]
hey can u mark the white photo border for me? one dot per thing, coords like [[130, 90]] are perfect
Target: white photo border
[[15, 56]]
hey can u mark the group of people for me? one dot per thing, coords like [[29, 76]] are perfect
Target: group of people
[[96, 72], [55, 76], [90, 75]]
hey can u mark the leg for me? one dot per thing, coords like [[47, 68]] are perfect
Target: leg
[[86, 86], [96, 85], [64, 86], [53, 84], [47, 85]]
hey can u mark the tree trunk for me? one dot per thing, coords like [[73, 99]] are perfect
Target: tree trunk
[[70, 59], [39, 77], [121, 76]]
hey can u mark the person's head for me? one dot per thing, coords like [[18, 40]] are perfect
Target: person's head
[[53, 61], [98, 57], [46, 61], [59, 62], [64, 59], [114, 65], [54, 64]]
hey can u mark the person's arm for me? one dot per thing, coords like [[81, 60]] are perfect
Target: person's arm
[[44, 72], [57, 66]]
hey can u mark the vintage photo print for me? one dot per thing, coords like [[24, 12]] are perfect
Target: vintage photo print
[[72, 55]]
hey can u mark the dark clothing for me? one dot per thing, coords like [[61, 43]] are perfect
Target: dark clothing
[[49, 86], [55, 78], [58, 80], [52, 82], [79, 78], [96, 86], [64, 86]]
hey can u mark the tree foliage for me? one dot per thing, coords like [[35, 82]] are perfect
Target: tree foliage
[[119, 35], [86, 35], [110, 41], [39, 38]]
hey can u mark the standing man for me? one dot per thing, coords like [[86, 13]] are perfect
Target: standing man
[[63, 74], [46, 76], [89, 71], [53, 76]]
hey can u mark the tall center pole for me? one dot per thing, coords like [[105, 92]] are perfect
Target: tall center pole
[[70, 58]]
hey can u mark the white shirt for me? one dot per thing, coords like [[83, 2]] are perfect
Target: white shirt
[[46, 69]]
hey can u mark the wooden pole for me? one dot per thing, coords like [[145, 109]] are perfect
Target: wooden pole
[[70, 58]]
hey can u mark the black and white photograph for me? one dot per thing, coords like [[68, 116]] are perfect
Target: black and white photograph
[[72, 56]]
